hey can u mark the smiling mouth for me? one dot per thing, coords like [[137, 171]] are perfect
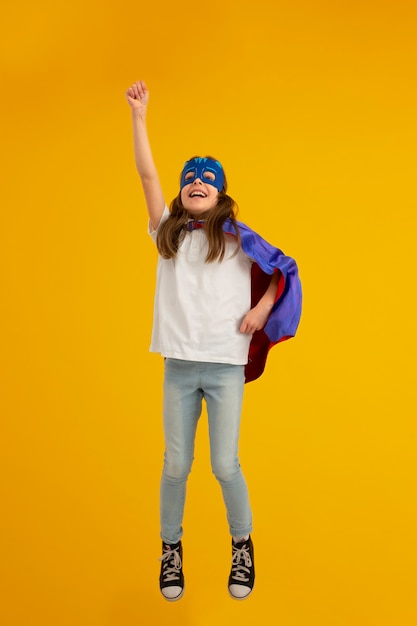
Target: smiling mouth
[[198, 194]]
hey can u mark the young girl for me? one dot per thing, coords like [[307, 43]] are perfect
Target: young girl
[[219, 287]]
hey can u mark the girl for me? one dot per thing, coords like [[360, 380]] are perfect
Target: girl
[[204, 326]]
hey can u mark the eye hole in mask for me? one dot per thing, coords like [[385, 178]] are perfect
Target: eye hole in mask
[[206, 175]]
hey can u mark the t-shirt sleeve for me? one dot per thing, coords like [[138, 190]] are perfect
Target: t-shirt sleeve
[[153, 233]]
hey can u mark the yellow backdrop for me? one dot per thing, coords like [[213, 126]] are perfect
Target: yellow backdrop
[[311, 108]]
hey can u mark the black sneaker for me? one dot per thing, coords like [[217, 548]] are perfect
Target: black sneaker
[[171, 580], [242, 575]]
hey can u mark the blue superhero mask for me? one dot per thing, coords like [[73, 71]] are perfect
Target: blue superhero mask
[[199, 167]]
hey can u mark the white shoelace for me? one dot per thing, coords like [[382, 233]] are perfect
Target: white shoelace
[[171, 571], [241, 554]]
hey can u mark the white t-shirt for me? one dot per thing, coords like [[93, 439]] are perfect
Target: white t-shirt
[[200, 306]]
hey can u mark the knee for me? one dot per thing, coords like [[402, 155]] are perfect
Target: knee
[[225, 471], [176, 469]]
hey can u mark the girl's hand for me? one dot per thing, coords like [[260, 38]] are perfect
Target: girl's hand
[[255, 319], [137, 96]]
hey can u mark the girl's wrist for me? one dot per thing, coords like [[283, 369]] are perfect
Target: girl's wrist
[[138, 115], [265, 305]]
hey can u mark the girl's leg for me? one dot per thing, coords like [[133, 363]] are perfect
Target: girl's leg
[[223, 391], [181, 411]]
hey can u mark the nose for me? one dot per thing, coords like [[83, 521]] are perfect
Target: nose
[[197, 180]]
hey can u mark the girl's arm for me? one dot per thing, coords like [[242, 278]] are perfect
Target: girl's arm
[[258, 316], [138, 96]]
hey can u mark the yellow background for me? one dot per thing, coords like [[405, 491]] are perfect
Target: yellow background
[[311, 107]]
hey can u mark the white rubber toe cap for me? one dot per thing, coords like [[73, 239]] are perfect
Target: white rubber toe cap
[[240, 592], [172, 593]]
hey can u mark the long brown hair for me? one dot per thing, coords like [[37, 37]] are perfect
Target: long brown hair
[[173, 230]]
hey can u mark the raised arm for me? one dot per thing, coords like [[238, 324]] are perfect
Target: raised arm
[[137, 97]]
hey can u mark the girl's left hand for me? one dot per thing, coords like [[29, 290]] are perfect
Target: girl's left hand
[[255, 320]]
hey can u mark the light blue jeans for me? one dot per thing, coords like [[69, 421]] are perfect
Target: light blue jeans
[[186, 383]]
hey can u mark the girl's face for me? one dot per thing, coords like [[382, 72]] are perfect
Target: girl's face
[[199, 196]]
